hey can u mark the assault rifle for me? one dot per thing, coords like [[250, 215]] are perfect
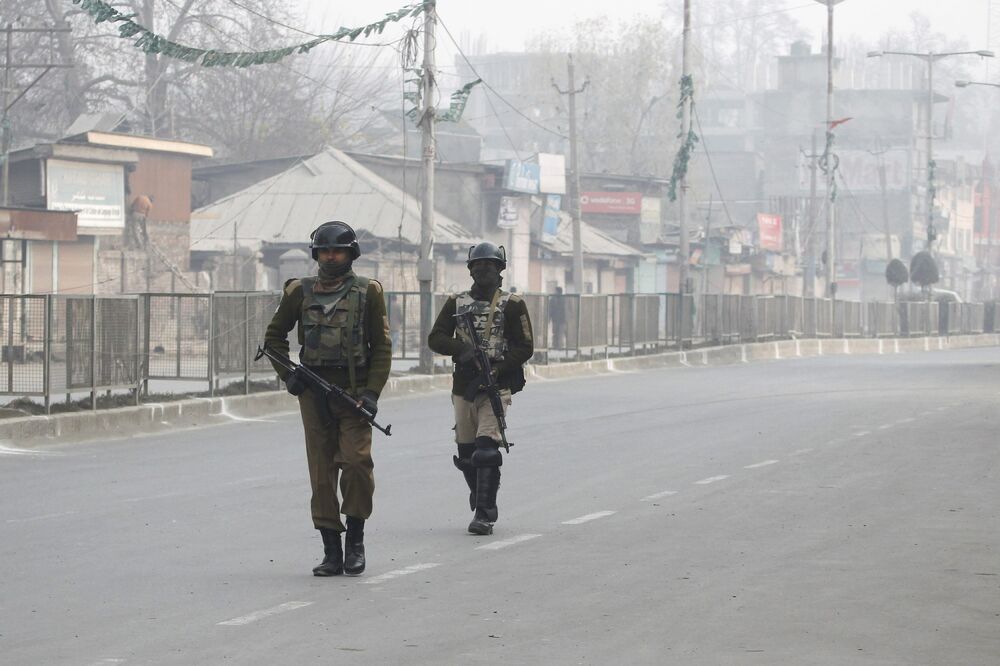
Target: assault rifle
[[326, 389], [485, 379]]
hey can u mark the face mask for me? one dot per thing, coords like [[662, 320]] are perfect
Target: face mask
[[331, 270], [486, 277]]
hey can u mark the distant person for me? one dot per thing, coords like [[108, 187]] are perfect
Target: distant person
[[395, 319], [557, 315], [142, 206], [344, 336]]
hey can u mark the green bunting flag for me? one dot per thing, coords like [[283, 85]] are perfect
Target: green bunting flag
[[150, 42], [459, 100], [688, 142]]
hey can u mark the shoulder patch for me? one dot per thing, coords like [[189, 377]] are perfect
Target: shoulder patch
[[291, 285], [516, 298], [372, 282]]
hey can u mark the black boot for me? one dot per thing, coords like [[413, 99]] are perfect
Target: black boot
[[487, 485], [463, 461], [333, 560], [354, 547]]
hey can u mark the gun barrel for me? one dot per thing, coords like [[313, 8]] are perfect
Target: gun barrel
[[326, 387]]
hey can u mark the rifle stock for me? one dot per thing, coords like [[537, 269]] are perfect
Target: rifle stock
[[328, 389]]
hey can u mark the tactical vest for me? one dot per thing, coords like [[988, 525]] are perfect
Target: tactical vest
[[490, 333], [333, 326]]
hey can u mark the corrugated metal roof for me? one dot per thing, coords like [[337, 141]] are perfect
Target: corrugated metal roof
[[592, 240], [287, 207]]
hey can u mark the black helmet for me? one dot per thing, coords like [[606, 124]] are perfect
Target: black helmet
[[334, 234], [488, 251]]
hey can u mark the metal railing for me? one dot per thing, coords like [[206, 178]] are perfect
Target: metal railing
[[53, 345]]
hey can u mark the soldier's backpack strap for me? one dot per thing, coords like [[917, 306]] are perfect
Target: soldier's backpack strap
[[357, 302]]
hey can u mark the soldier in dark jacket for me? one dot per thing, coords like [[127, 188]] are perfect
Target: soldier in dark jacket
[[504, 329], [344, 334]]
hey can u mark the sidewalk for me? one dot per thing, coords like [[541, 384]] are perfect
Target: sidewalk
[[199, 412]]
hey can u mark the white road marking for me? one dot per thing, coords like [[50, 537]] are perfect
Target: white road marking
[[656, 496], [224, 411], [14, 451], [153, 497], [267, 612], [589, 517], [45, 517], [886, 426], [803, 451], [497, 545], [862, 433], [761, 464], [396, 573], [711, 479], [902, 421]]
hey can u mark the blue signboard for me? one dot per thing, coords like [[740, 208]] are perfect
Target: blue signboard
[[550, 226], [522, 177]]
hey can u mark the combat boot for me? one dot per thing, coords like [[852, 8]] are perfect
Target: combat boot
[[333, 560], [354, 547]]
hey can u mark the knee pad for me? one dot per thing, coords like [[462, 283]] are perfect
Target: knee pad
[[463, 461], [487, 453]]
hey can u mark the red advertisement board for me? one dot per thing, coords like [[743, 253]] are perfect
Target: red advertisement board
[[614, 203], [769, 227]]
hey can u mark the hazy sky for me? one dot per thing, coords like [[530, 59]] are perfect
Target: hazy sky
[[507, 22]]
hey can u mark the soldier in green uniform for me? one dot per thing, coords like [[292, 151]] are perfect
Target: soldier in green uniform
[[504, 329], [344, 334]]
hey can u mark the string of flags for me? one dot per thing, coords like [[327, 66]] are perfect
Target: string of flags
[[459, 100], [150, 42]]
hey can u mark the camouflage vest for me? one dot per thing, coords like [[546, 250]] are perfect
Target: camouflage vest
[[490, 333], [333, 326]]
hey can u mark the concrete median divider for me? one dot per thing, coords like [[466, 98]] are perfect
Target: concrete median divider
[[126, 422]]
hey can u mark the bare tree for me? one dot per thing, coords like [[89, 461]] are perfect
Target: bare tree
[[626, 122], [290, 106]]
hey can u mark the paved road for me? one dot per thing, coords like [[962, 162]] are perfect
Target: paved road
[[818, 511]]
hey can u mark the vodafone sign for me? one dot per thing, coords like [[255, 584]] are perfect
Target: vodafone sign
[[614, 203]]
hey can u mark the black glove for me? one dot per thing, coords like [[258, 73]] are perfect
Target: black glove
[[369, 401], [295, 383], [467, 354]]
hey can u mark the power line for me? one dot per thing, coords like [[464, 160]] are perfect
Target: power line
[[491, 89], [711, 167]]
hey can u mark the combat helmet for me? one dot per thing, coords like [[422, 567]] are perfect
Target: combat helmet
[[488, 251], [334, 234]]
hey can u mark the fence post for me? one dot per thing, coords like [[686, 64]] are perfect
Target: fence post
[[10, 343], [177, 323], [148, 300], [211, 344], [138, 346], [47, 355], [246, 344], [93, 352]]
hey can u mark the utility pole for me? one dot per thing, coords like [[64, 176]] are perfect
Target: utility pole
[[684, 251], [809, 284], [574, 180], [425, 262], [930, 58], [880, 156], [831, 170]]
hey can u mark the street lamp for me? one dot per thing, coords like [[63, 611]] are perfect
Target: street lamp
[[830, 271], [930, 58]]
